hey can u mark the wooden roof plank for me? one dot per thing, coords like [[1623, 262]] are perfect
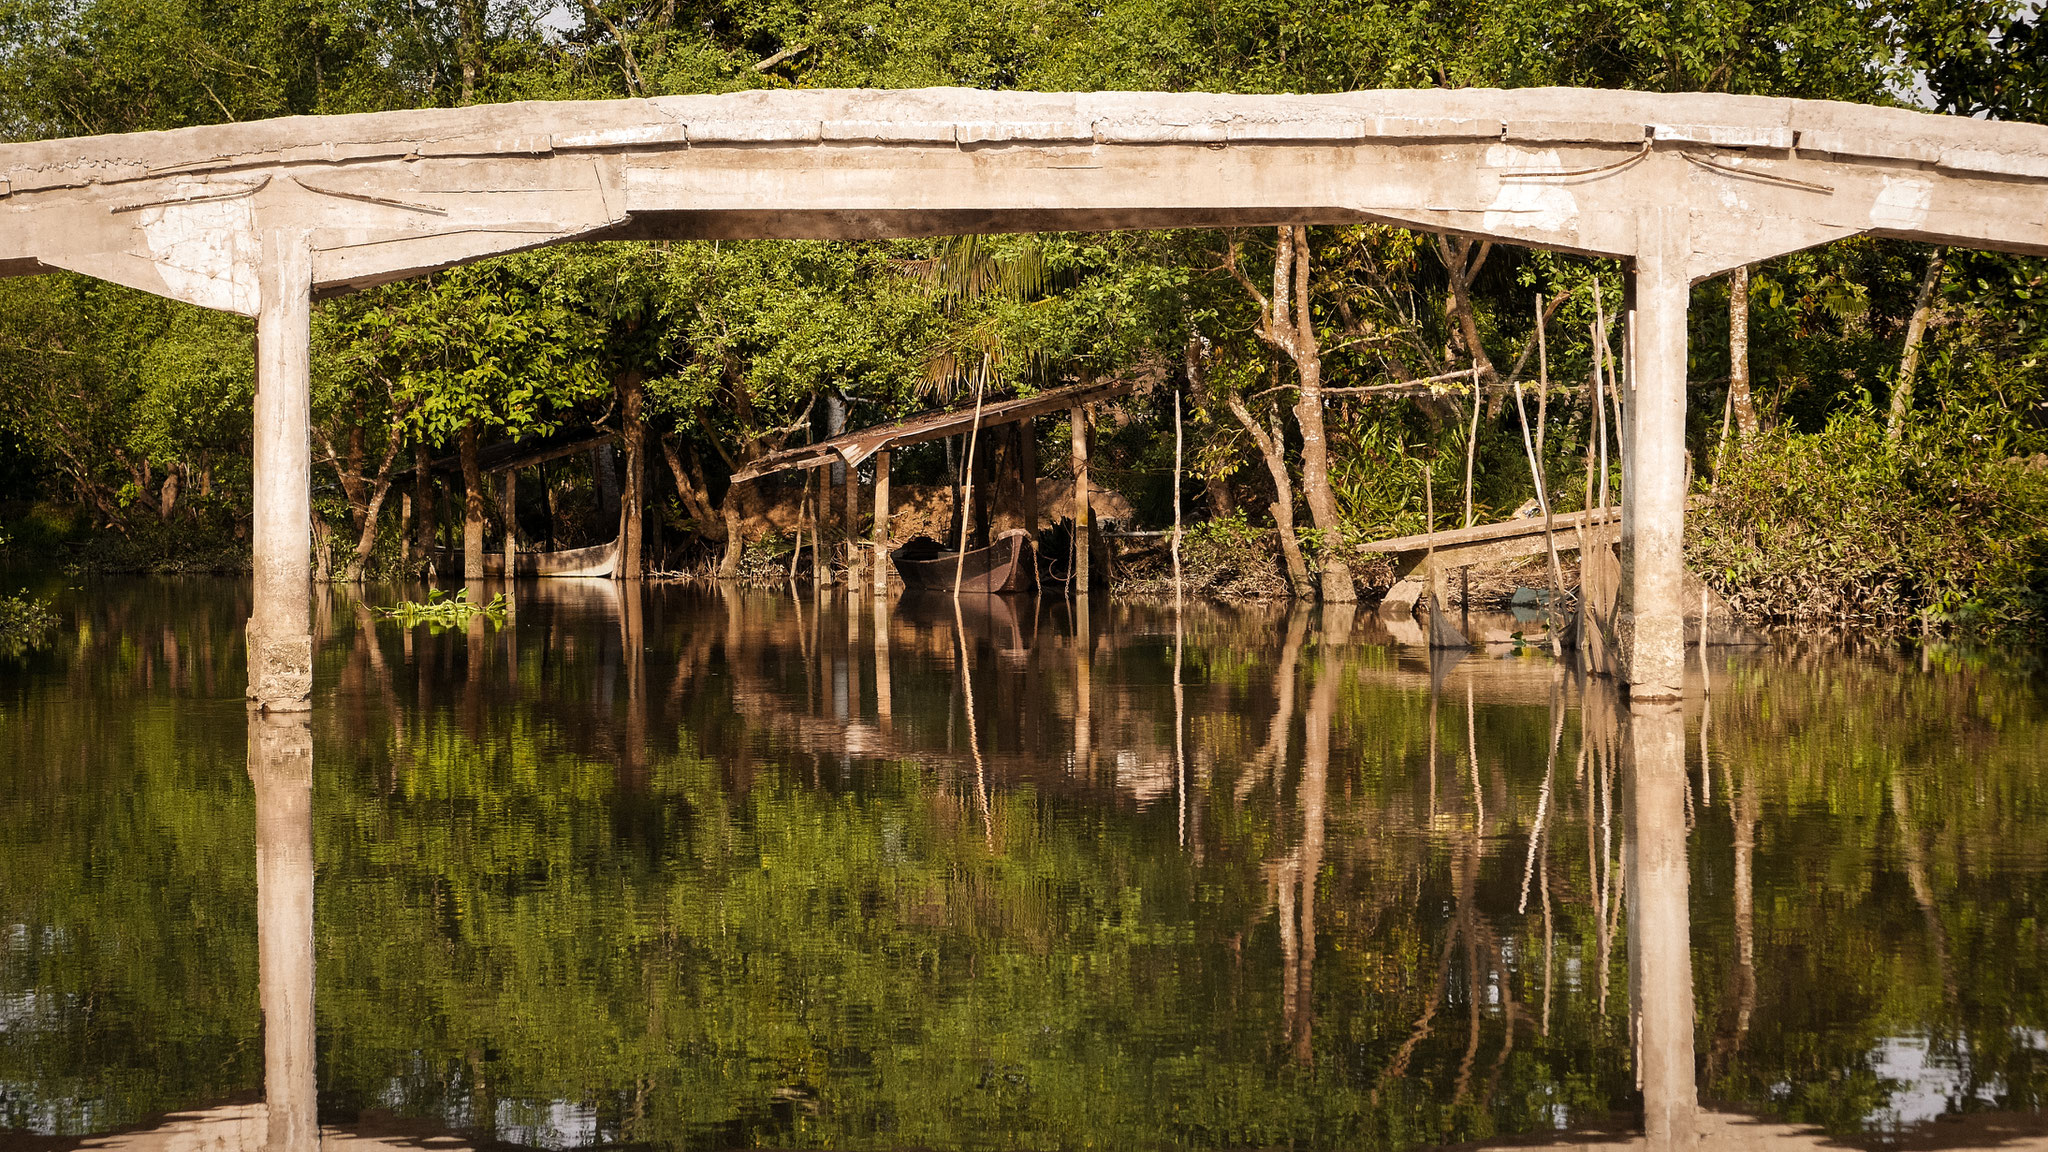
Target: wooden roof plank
[[854, 447]]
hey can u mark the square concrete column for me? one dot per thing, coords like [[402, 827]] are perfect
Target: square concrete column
[[1659, 923], [280, 636], [1650, 618]]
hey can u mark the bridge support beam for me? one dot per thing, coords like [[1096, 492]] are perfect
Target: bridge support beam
[[1651, 615], [280, 631]]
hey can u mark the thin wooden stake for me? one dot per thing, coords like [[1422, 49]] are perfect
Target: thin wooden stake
[[967, 490], [1176, 502], [1536, 473]]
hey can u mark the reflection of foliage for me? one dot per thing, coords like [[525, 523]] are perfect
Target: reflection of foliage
[[25, 623], [1932, 525], [723, 936], [438, 612]]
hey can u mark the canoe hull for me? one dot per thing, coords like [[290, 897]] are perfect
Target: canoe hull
[[596, 560], [1008, 565]]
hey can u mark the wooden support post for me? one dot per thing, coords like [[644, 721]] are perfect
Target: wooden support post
[[1027, 470], [280, 637], [1084, 520], [853, 556], [881, 526]]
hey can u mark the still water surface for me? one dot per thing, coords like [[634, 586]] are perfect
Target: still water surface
[[679, 869]]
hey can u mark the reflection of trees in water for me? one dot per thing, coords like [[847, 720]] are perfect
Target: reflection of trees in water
[[669, 874]]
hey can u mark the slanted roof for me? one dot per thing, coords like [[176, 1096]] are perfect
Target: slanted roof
[[853, 447]]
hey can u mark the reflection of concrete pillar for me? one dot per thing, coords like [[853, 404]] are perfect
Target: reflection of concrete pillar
[[1660, 933], [1651, 615], [280, 641], [281, 769]]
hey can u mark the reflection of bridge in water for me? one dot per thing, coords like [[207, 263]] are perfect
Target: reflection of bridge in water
[[1109, 708]]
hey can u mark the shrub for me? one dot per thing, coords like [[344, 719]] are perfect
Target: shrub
[[1845, 526]]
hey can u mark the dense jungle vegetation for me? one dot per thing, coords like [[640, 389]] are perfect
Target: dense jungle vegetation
[[1877, 454]]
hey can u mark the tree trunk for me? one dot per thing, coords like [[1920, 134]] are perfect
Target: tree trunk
[[366, 540], [633, 434], [167, 500], [695, 493], [1739, 398], [605, 469], [733, 511], [1463, 262], [472, 507], [423, 501], [1273, 450], [1308, 414], [1909, 359], [1286, 323]]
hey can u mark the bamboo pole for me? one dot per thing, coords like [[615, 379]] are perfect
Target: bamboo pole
[[967, 497], [1536, 471]]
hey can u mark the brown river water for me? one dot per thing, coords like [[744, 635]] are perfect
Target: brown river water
[[680, 868]]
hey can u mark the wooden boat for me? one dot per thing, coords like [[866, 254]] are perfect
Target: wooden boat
[[596, 560], [1008, 565]]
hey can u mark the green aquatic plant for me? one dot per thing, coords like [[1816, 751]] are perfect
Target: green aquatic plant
[[25, 622], [437, 612]]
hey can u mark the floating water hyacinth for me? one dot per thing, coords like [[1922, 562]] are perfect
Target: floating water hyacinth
[[437, 612]]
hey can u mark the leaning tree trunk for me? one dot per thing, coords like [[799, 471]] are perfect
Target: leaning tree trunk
[[472, 507], [633, 432], [1308, 415], [1909, 360], [1273, 450]]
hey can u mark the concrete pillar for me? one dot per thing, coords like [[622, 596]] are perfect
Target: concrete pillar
[[281, 769], [280, 638], [1084, 521], [881, 527], [1650, 617], [1660, 931]]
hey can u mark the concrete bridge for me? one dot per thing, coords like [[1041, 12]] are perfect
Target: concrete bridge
[[262, 218]]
